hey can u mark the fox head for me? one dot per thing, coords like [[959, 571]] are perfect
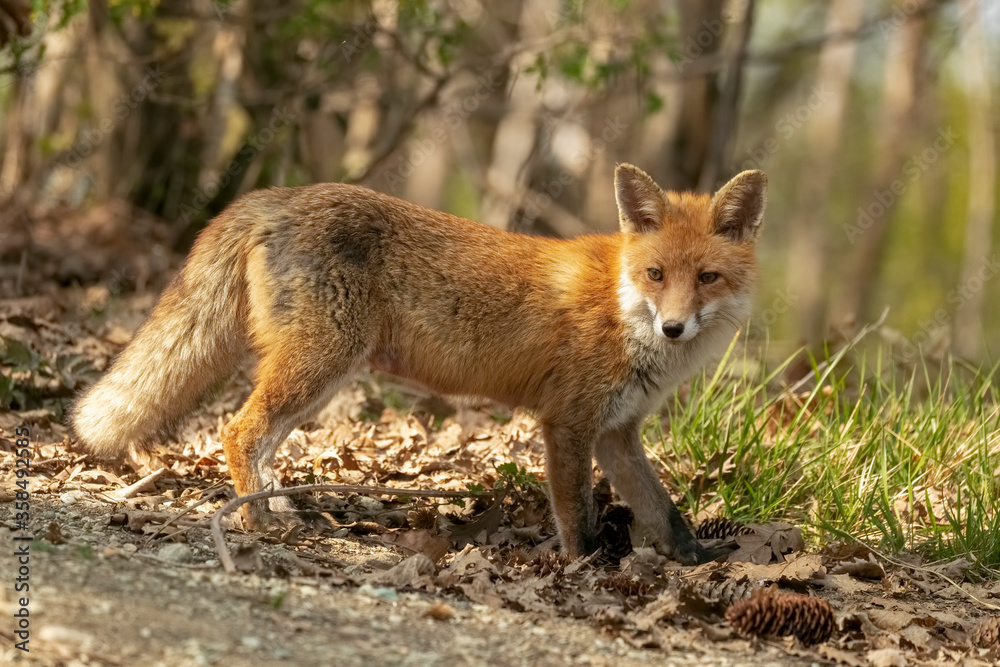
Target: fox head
[[688, 261]]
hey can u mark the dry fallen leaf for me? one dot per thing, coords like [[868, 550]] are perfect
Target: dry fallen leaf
[[866, 568], [886, 657], [849, 585], [470, 561], [407, 572], [804, 568], [889, 620], [247, 557], [426, 542]]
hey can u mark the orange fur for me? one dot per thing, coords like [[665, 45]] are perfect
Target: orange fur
[[319, 280]]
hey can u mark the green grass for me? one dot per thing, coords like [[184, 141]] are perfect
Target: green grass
[[903, 456]]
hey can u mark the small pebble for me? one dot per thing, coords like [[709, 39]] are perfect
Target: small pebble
[[381, 592], [70, 497], [175, 552], [440, 611], [69, 639], [368, 504]]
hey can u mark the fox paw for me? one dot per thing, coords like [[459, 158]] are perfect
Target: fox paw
[[693, 553], [279, 527], [259, 518]]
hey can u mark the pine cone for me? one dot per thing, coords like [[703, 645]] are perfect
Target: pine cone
[[515, 556], [715, 594], [626, 584], [603, 496], [769, 613], [815, 623], [720, 528], [987, 632], [424, 518], [614, 537], [548, 562], [760, 615]]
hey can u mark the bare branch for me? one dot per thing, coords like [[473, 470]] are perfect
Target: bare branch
[[219, 536]]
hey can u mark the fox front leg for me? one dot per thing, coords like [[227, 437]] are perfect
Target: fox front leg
[[569, 467], [622, 458]]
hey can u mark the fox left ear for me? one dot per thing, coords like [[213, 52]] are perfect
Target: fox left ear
[[642, 205], [738, 206]]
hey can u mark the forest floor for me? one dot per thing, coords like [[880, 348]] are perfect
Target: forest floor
[[123, 569]]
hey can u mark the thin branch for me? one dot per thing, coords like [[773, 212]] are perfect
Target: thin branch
[[219, 535], [213, 491], [705, 66], [926, 570], [402, 131], [133, 490]]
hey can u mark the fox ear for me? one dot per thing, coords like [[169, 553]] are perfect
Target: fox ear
[[738, 206], [641, 204]]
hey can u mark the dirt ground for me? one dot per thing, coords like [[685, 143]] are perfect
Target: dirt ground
[[109, 607], [112, 584], [123, 570]]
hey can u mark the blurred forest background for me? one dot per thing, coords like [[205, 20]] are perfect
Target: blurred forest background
[[876, 123]]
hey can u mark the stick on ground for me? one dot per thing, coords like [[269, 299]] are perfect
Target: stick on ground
[[219, 535]]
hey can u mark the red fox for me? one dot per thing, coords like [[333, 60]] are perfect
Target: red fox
[[316, 281]]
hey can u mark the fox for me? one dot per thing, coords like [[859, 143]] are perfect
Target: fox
[[315, 282]]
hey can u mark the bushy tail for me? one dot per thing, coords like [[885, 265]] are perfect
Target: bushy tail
[[196, 334]]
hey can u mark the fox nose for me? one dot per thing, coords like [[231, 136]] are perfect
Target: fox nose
[[673, 328]]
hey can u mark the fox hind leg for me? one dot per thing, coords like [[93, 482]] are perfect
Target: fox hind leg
[[293, 383]]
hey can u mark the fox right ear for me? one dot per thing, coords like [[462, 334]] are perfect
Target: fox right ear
[[738, 206], [641, 204]]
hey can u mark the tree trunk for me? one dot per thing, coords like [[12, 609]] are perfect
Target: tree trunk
[[726, 114], [808, 250], [683, 156], [867, 233], [978, 264]]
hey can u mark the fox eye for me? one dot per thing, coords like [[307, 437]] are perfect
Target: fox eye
[[654, 274], [707, 278]]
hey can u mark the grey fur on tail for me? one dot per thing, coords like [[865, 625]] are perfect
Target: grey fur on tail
[[196, 334]]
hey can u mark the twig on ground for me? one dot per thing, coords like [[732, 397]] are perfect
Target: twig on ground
[[138, 487], [219, 535], [210, 493], [926, 570], [152, 501]]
